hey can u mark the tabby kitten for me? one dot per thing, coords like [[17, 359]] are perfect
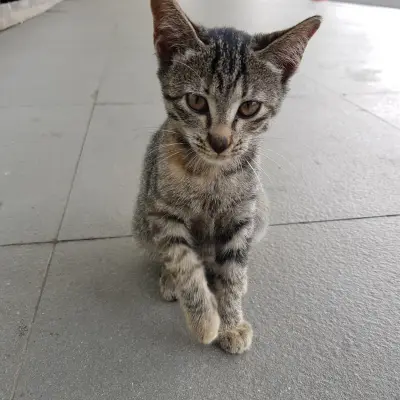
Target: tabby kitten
[[201, 205]]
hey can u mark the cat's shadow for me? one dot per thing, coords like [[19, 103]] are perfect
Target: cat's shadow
[[127, 297], [135, 276]]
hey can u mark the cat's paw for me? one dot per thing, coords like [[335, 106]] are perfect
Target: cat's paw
[[205, 325], [167, 287], [236, 340]]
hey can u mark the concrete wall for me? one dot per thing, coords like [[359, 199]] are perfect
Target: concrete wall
[[20, 11], [380, 3]]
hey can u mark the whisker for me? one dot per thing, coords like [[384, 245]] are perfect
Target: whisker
[[259, 180], [169, 144], [169, 130], [282, 157], [170, 155], [197, 163], [156, 149], [274, 162], [269, 178], [192, 154], [192, 160], [163, 146]]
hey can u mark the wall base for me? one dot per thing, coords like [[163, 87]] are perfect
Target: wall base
[[17, 12]]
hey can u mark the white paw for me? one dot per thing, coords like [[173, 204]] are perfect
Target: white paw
[[236, 340]]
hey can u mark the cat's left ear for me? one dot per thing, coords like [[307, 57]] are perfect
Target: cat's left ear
[[284, 49], [173, 31]]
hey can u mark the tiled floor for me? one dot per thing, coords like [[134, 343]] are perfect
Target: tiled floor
[[80, 315]]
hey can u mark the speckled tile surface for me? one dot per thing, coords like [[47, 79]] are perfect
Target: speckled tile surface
[[78, 101]]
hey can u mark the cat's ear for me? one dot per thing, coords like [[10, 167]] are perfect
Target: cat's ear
[[284, 49], [173, 31]]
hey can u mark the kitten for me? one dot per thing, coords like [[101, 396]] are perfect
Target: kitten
[[201, 206]]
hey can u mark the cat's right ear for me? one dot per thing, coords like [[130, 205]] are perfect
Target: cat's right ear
[[285, 49], [173, 31]]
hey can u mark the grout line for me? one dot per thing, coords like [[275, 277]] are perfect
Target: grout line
[[94, 238], [35, 312], [95, 98], [28, 243], [345, 98], [372, 93], [77, 164], [59, 241], [48, 106], [129, 103], [323, 85], [88, 239], [322, 221], [344, 95], [25, 349]]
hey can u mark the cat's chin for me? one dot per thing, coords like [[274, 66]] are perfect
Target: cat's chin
[[217, 160]]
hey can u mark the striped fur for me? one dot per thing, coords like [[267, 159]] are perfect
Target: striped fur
[[198, 211]]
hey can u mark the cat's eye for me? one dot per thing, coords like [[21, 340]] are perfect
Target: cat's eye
[[249, 109], [197, 103]]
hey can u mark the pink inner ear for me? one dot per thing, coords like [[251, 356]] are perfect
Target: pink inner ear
[[162, 47], [313, 32]]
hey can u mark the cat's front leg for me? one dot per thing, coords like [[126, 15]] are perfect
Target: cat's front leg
[[183, 266], [230, 283]]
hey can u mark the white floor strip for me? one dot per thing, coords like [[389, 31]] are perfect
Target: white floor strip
[[20, 11], [377, 3]]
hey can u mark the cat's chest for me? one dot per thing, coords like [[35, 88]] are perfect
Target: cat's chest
[[205, 210], [213, 196], [202, 229], [208, 193]]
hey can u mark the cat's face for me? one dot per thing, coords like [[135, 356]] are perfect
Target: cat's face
[[221, 95], [223, 86]]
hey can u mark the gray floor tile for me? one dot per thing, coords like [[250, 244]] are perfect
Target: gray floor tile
[[37, 80], [302, 85], [333, 165], [323, 299], [384, 105], [107, 182], [348, 54], [130, 74], [260, 17], [38, 154], [131, 77], [45, 62], [22, 271], [133, 27], [324, 158]]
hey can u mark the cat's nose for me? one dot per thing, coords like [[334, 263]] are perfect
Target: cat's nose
[[220, 138]]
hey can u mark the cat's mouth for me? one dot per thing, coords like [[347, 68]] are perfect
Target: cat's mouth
[[202, 152], [214, 158]]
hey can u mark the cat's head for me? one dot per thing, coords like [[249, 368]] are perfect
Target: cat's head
[[222, 86]]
